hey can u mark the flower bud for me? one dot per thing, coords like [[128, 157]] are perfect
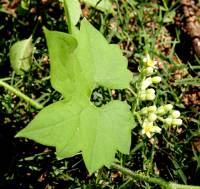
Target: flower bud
[[161, 110], [177, 122], [146, 58], [148, 71], [152, 117], [150, 91], [168, 107], [152, 108], [156, 79], [157, 129], [146, 83], [175, 114], [144, 110], [168, 121], [150, 96], [142, 96]]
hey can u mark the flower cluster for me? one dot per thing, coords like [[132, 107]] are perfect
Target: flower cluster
[[164, 113], [151, 115], [148, 93], [173, 115]]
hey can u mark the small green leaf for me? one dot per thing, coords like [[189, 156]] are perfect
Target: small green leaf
[[20, 55], [169, 16], [79, 62], [74, 10], [102, 5]]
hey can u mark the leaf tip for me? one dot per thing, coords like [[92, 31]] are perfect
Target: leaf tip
[[18, 135]]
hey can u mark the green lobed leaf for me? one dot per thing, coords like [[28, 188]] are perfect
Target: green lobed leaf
[[103, 5], [102, 62], [103, 131], [71, 127], [20, 55], [79, 62]]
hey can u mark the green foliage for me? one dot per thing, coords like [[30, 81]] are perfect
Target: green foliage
[[20, 55], [74, 10], [172, 155], [103, 5], [79, 62]]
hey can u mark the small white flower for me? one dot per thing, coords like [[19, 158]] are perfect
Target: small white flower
[[156, 79], [152, 117], [177, 122], [146, 58], [149, 129], [149, 62], [146, 83], [175, 114]]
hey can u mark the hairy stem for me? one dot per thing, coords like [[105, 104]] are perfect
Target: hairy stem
[[141, 177], [21, 95], [159, 181]]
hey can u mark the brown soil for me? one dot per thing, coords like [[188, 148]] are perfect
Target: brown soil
[[187, 18]]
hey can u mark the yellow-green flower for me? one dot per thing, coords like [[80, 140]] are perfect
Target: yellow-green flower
[[149, 129], [149, 62]]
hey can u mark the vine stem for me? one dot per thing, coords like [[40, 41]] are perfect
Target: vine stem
[[159, 181], [137, 176], [21, 95]]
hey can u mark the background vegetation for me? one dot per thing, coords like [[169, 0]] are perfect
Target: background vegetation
[[138, 27]]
